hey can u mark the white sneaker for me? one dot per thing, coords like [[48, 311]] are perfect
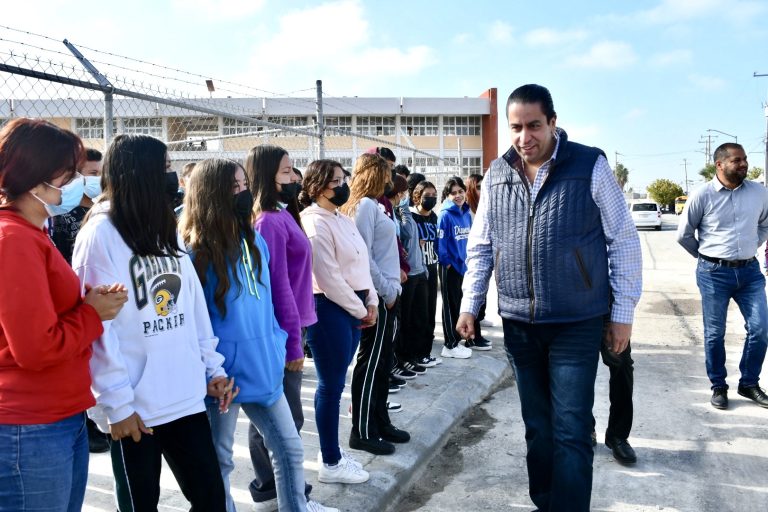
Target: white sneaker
[[394, 407], [458, 352], [344, 455], [265, 506], [313, 506], [350, 458], [344, 472]]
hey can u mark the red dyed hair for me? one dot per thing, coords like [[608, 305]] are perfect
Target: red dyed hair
[[33, 151]]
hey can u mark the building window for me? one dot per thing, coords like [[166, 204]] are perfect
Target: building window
[[293, 121], [469, 164], [376, 126], [423, 164], [301, 162], [144, 126], [461, 125], [343, 123], [90, 128], [237, 127], [418, 125]]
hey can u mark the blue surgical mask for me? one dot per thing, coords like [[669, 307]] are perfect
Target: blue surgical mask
[[71, 195], [92, 186], [404, 201]]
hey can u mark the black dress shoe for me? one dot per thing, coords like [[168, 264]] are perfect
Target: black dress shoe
[[621, 449], [375, 446], [755, 394], [394, 435], [97, 441], [719, 398]]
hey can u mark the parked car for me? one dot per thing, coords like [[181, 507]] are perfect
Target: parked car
[[646, 215]]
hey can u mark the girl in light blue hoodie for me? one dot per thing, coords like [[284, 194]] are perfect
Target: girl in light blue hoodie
[[231, 260]]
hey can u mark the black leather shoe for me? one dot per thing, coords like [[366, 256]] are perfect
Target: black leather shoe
[[755, 394], [719, 398], [394, 435], [97, 441], [621, 449], [375, 446]]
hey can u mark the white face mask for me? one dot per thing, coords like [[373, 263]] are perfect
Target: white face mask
[[71, 195]]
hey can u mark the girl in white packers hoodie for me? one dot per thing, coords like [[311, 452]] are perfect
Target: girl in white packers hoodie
[[156, 361]]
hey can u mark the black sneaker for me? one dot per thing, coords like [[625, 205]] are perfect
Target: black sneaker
[[397, 381], [719, 398], [428, 362], [393, 388], [402, 373], [375, 446], [415, 368], [394, 407], [755, 394], [394, 435], [478, 344]]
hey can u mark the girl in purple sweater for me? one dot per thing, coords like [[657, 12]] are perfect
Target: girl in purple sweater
[[275, 188]]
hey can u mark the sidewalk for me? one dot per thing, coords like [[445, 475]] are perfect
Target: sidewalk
[[432, 405]]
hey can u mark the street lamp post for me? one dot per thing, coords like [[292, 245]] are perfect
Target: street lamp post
[[735, 138]]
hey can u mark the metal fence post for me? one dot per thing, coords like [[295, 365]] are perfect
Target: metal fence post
[[320, 122]]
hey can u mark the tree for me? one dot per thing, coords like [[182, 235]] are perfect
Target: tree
[[754, 173], [708, 172], [622, 175], [664, 191]]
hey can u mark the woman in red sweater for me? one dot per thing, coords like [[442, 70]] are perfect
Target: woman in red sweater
[[46, 325]]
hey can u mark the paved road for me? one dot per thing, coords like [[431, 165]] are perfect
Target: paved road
[[692, 457]]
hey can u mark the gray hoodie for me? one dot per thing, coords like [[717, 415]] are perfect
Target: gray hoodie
[[378, 232]]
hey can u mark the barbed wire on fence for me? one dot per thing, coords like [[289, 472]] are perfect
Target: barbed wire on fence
[[37, 80]]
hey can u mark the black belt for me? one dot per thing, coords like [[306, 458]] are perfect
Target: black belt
[[728, 263]]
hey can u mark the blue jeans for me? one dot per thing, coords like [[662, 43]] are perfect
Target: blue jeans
[[286, 452], [555, 368], [746, 286], [333, 340], [44, 467]]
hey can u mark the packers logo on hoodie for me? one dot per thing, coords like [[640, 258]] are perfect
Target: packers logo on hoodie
[[165, 290], [156, 282]]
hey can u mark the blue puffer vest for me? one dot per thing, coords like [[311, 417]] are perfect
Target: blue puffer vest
[[551, 260]]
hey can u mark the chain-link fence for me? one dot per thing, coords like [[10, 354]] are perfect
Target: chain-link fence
[[99, 95]]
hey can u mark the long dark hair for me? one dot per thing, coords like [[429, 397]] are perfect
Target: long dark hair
[[317, 176], [452, 182], [133, 181], [261, 168], [212, 230]]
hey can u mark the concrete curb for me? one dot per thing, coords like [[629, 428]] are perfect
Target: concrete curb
[[433, 405]]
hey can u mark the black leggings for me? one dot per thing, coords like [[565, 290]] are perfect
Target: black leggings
[[187, 446]]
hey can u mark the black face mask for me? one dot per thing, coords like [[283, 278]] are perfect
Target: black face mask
[[340, 195], [171, 186], [428, 203], [289, 192], [244, 204], [387, 189]]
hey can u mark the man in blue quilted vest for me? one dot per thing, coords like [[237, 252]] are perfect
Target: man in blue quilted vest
[[554, 226]]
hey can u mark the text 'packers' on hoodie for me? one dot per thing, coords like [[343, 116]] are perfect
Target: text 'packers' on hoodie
[[453, 225], [250, 339], [155, 356]]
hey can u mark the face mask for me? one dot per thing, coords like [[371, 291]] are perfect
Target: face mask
[[171, 184], [387, 189], [340, 195], [244, 204], [92, 186], [71, 195], [403, 202], [289, 191], [428, 203]]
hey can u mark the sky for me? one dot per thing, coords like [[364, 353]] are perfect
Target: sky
[[645, 81]]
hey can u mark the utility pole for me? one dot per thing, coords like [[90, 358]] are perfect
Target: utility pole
[[765, 110], [707, 141], [616, 159], [685, 167]]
